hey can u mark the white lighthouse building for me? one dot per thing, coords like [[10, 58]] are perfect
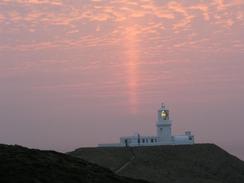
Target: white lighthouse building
[[163, 137]]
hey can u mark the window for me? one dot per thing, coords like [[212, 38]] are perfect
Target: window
[[146, 140], [152, 140], [143, 140], [190, 137]]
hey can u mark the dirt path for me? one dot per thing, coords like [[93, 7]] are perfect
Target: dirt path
[[126, 163]]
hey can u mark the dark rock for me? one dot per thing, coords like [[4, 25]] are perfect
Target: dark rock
[[22, 165]]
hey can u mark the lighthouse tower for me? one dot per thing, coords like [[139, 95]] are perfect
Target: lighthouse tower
[[164, 125]]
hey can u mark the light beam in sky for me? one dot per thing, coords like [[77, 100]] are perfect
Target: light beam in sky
[[132, 57]]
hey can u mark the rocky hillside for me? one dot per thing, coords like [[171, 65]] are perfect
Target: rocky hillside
[[199, 163], [23, 165]]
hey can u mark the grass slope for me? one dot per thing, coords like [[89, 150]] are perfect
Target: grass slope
[[200, 163], [23, 165]]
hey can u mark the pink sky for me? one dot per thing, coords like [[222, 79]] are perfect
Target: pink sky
[[78, 73]]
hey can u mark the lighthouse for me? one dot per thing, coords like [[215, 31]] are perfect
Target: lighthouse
[[163, 125], [163, 137]]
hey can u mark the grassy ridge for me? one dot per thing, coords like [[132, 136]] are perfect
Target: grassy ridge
[[206, 163]]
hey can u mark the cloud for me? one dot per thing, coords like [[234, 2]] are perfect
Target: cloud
[[203, 8], [88, 24], [34, 2]]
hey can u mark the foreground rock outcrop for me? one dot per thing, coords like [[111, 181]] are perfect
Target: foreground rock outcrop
[[22, 165]]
